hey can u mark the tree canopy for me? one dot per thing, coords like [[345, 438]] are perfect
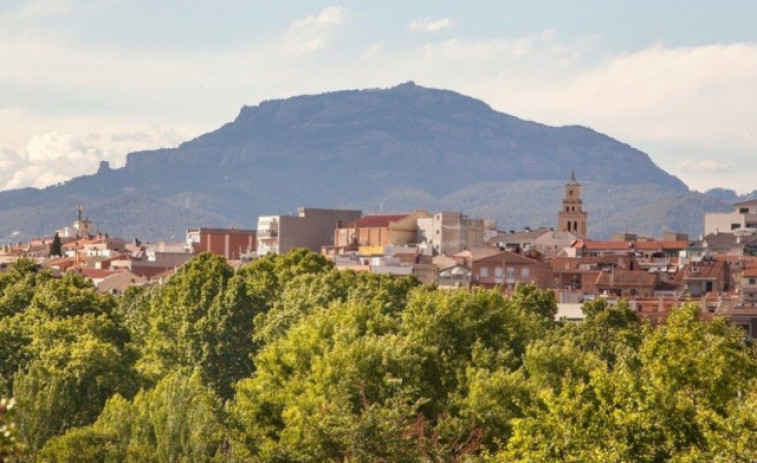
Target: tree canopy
[[289, 359]]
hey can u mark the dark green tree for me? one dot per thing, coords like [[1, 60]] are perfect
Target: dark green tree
[[55, 247]]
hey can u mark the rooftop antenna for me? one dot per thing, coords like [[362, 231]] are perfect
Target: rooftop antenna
[[79, 210]]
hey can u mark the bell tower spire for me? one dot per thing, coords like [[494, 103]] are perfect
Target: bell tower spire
[[572, 218]]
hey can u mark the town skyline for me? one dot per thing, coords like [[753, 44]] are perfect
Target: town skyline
[[90, 81]]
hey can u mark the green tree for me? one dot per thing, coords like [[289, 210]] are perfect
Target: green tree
[[55, 247], [78, 364], [681, 396], [8, 444], [201, 318], [177, 421]]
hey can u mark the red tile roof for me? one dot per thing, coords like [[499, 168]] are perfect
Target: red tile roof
[[750, 272], [654, 245], [96, 273], [606, 245], [704, 270], [619, 278], [506, 257]]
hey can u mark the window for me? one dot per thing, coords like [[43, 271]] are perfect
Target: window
[[743, 210], [498, 272], [734, 226], [525, 272], [752, 281], [510, 273], [484, 272]]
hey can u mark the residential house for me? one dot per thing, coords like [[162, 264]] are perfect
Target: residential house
[[743, 219], [749, 287], [701, 277], [448, 233], [311, 229], [508, 269], [728, 244], [545, 240], [627, 284], [456, 276]]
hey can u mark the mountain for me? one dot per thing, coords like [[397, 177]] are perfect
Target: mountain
[[401, 148]]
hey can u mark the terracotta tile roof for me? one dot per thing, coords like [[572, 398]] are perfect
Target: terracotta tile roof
[[565, 263], [750, 272], [701, 270], [606, 245], [374, 221], [96, 273], [620, 278], [477, 253], [654, 245], [506, 257], [576, 263]]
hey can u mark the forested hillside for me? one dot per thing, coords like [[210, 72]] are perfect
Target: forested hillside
[[290, 360]]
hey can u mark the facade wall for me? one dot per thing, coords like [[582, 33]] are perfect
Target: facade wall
[[508, 275], [372, 236], [231, 244], [405, 231], [728, 222], [312, 228], [452, 232]]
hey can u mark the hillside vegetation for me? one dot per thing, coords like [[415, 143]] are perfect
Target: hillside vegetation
[[288, 359]]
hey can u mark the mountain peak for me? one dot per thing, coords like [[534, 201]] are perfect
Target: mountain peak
[[405, 146]]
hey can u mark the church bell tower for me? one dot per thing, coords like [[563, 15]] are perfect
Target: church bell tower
[[572, 218]]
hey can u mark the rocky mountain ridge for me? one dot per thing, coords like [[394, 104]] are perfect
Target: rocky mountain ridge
[[402, 148]]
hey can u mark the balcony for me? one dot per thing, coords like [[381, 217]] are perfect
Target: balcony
[[268, 234]]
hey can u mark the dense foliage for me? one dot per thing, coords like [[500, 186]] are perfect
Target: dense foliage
[[290, 360]]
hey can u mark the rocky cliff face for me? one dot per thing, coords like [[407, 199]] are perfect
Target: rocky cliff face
[[406, 147]]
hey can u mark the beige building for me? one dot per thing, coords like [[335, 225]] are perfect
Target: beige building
[[451, 232], [372, 235], [544, 240], [743, 219], [572, 218], [310, 228]]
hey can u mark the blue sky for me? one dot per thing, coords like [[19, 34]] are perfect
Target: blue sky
[[89, 80]]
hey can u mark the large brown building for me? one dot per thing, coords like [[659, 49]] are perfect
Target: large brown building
[[230, 243]]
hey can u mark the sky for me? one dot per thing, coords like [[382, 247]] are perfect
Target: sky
[[83, 81]]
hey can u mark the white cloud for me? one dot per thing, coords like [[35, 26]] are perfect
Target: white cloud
[[703, 166], [430, 25], [314, 32], [55, 157]]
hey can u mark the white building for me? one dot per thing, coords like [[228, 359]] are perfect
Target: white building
[[743, 219]]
